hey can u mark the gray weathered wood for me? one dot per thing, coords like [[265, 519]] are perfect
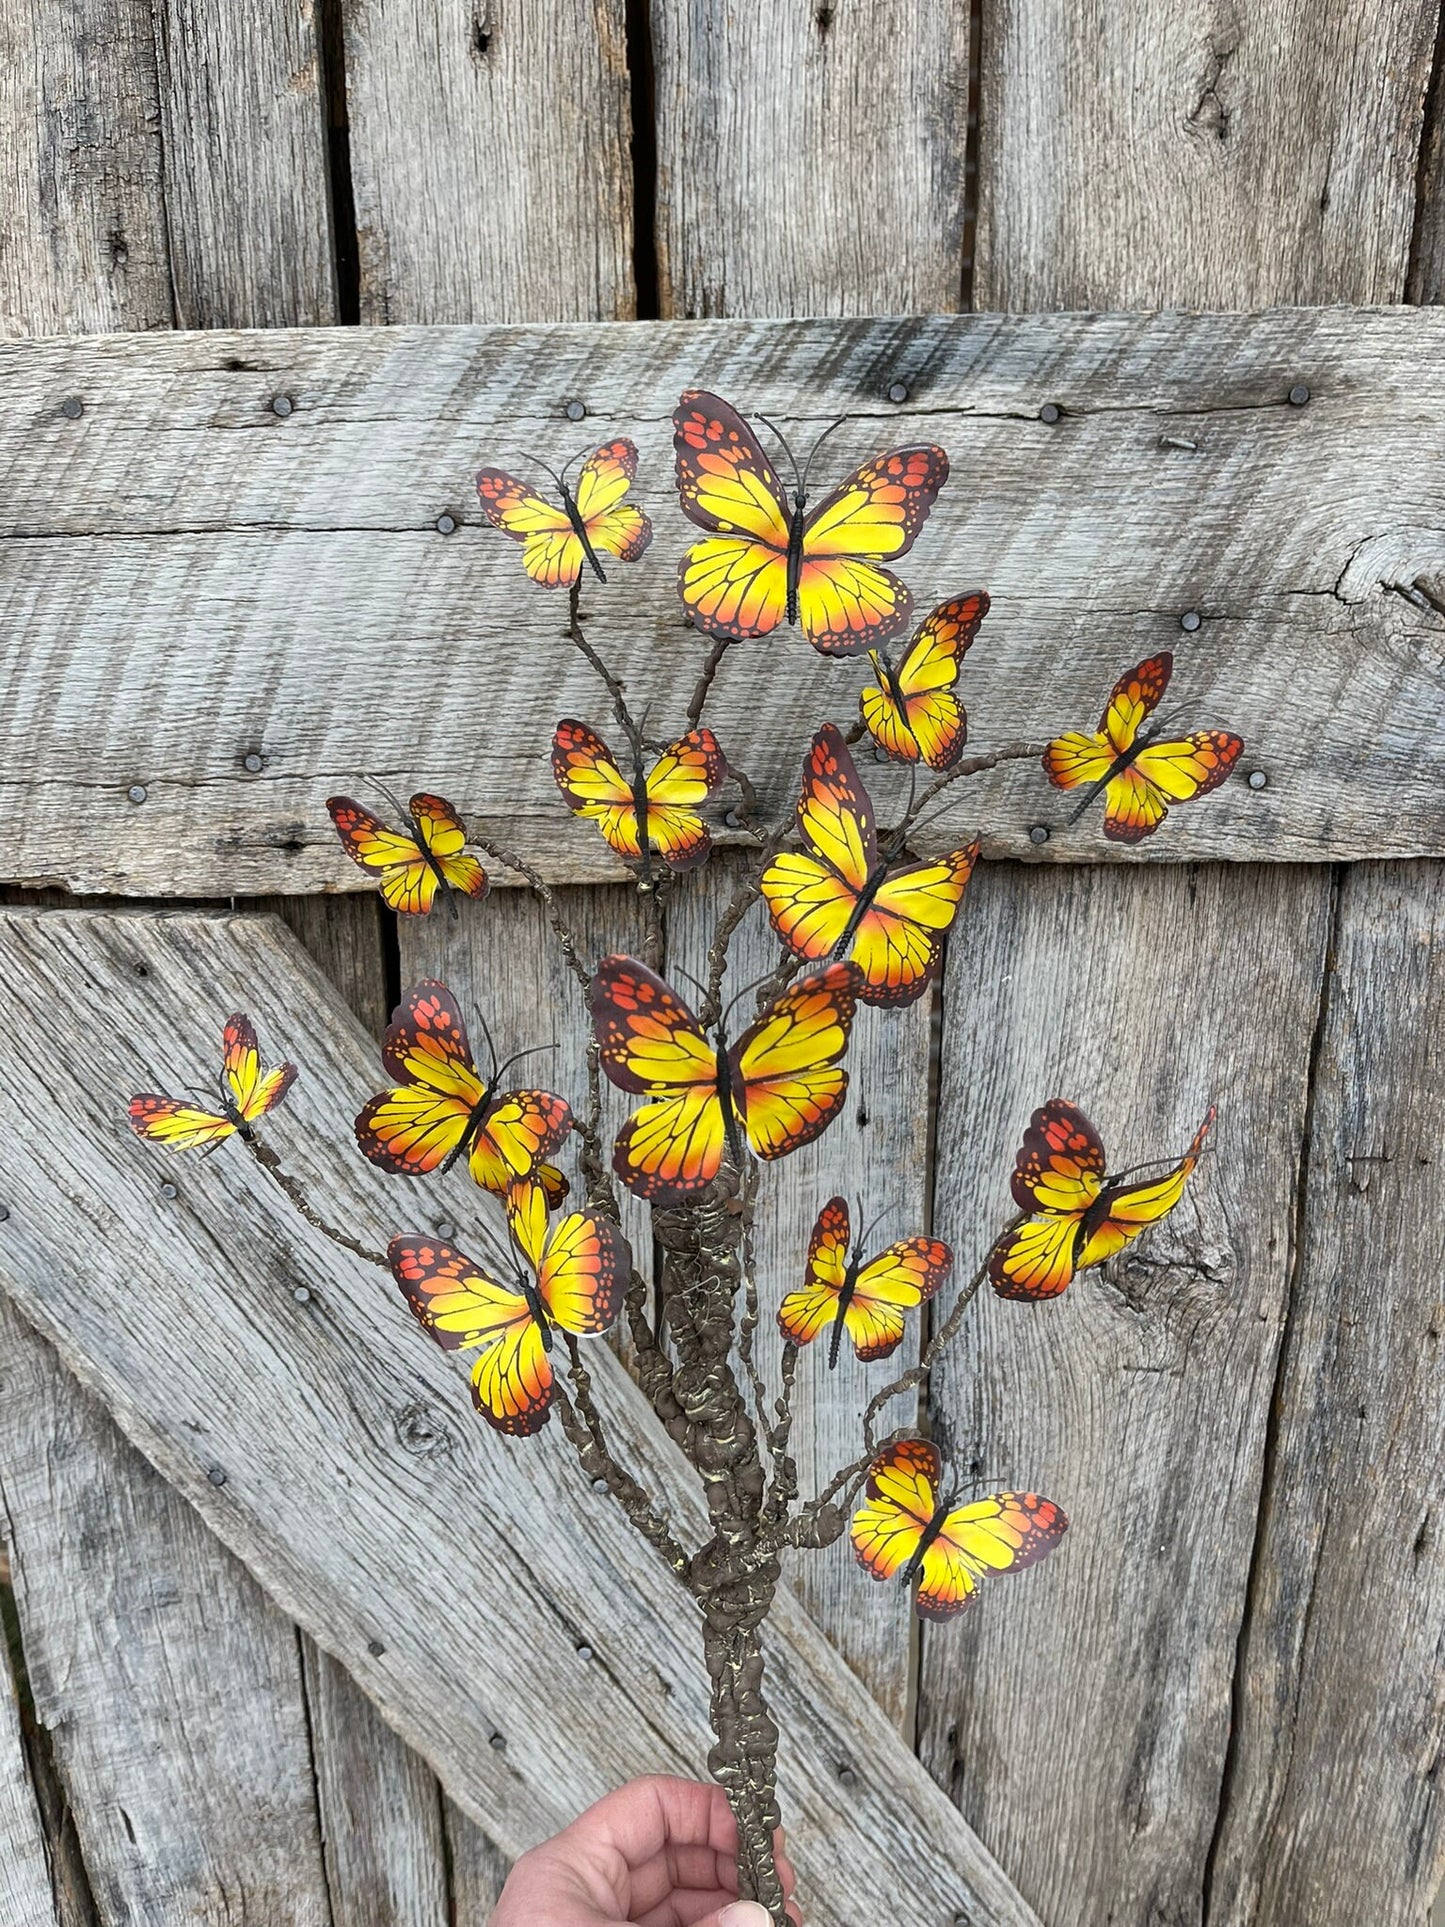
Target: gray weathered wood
[[347, 937], [170, 1690], [1216, 157], [876, 1153], [284, 590], [1080, 1714], [1338, 1703], [332, 1448], [1426, 280], [490, 159], [810, 158], [479, 1870], [243, 129], [25, 1891]]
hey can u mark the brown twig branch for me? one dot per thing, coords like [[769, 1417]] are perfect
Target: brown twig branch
[[271, 1165], [970, 766], [703, 686], [583, 1426], [566, 936]]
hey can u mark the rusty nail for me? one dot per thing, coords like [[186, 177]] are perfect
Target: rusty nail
[[1190, 620], [1039, 833], [375, 1648], [137, 792], [898, 391], [255, 762], [281, 405], [1050, 412], [168, 1190], [498, 1742], [576, 410], [446, 524], [1257, 779], [217, 1475], [302, 1295], [1299, 395], [72, 408]]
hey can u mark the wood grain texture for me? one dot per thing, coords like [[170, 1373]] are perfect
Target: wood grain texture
[[243, 129], [170, 1690], [348, 937], [479, 1870], [1339, 1704], [333, 1449], [278, 587], [26, 1896], [1219, 156], [1096, 1690], [810, 159], [1426, 279], [876, 1153], [490, 159]]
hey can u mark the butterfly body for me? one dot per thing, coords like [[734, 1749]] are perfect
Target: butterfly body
[[868, 1298], [558, 543], [411, 868], [1075, 1214], [778, 1087], [248, 1093], [913, 714], [1139, 774], [904, 1530]]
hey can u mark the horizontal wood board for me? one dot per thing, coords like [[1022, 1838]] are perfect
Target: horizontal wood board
[[190, 579]]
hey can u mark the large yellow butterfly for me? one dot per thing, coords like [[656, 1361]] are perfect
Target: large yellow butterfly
[[764, 561], [866, 1300], [905, 1530], [912, 712], [686, 774], [1078, 1214], [779, 1086], [412, 867], [579, 1271], [442, 1109], [839, 895], [247, 1093], [558, 543], [1139, 775]]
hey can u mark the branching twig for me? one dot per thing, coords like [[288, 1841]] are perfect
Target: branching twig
[[565, 934], [970, 766], [942, 1336], [720, 647], [583, 1426], [271, 1165]]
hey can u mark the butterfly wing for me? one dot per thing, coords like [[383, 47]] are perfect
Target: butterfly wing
[[408, 882], [1005, 1532], [584, 1272], [464, 1310], [914, 715], [787, 1082], [811, 895], [614, 527], [649, 1043], [898, 943], [898, 1280], [1058, 1176], [445, 836], [1124, 1210], [254, 1090], [593, 785], [552, 554], [1076, 759], [899, 1501], [185, 1127], [418, 1125], [735, 580], [517, 1133], [686, 774], [1137, 800], [846, 602], [806, 1312]]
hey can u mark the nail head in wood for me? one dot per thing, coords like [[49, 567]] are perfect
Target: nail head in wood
[[254, 762], [137, 792], [446, 524], [584, 1653], [445, 1230], [599, 1485], [1299, 395], [1039, 833], [846, 1776], [576, 410], [302, 1295], [1050, 412], [1190, 620], [375, 1647], [498, 1742], [72, 408], [282, 405], [898, 391], [1257, 779], [168, 1190], [217, 1474]]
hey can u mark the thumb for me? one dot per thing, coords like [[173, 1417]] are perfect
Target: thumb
[[739, 1913]]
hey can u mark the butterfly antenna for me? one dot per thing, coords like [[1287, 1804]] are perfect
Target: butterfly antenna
[[491, 1047], [808, 465], [1155, 1164], [697, 983], [745, 991], [546, 467], [391, 796], [873, 1223], [787, 448], [535, 1050]]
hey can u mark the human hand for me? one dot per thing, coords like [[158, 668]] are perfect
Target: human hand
[[657, 1853]]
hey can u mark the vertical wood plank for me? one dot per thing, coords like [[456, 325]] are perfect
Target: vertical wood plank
[[1095, 1693], [1426, 282], [348, 937], [1218, 157], [490, 158], [810, 157], [170, 1690], [1340, 1703], [25, 1891], [479, 1870], [876, 1152]]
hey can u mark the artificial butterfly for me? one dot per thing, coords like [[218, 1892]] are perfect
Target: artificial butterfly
[[686, 774], [781, 1084], [579, 1268], [904, 1528], [866, 1300], [247, 1093], [1139, 775], [441, 1108], [840, 895], [912, 713], [557, 543], [413, 866], [1078, 1214], [765, 561]]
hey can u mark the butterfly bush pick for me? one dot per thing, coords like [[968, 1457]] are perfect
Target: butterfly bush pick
[[725, 1083]]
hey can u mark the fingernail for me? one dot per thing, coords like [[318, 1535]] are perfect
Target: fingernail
[[745, 1913]]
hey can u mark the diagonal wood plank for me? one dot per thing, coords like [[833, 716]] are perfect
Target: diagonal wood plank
[[274, 576], [329, 1445], [1339, 1690], [1098, 1689]]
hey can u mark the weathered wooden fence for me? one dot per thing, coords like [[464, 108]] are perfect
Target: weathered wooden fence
[[224, 586]]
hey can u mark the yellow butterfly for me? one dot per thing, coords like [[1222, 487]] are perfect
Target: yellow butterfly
[[412, 867], [558, 543], [247, 1094], [867, 1300]]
